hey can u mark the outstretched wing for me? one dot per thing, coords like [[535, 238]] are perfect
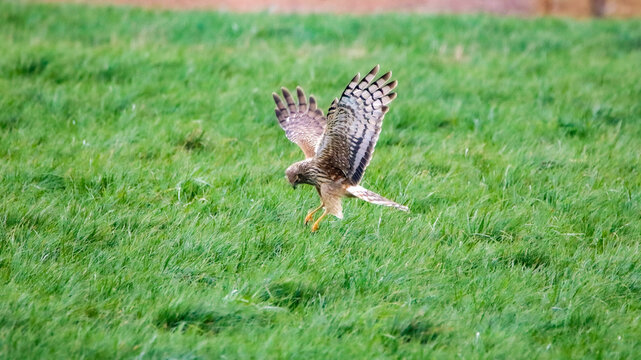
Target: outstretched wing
[[303, 123], [372, 197], [354, 124]]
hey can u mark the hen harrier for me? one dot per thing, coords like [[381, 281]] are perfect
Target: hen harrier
[[338, 147]]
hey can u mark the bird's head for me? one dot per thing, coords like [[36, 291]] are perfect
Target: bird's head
[[293, 175]]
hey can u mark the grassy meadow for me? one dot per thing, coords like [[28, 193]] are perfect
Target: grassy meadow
[[144, 210]]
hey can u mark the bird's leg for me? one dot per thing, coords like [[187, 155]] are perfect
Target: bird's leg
[[315, 226], [310, 214]]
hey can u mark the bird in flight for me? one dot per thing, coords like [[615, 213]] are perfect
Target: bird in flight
[[339, 146]]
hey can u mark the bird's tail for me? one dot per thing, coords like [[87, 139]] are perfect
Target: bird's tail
[[372, 197]]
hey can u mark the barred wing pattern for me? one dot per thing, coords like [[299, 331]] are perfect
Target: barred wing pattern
[[374, 198], [304, 123], [354, 124]]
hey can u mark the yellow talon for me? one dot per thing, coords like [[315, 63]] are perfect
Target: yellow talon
[[309, 217], [315, 226], [310, 214]]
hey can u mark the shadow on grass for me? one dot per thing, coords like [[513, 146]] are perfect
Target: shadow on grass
[[531, 259], [290, 294], [404, 330], [187, 317]]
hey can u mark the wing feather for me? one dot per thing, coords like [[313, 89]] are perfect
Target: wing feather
[[372, 197], [354, 124], [304, 123]]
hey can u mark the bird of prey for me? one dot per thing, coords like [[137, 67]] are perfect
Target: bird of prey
[[339, 146]]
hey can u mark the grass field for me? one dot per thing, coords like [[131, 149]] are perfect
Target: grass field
[[145, 213]]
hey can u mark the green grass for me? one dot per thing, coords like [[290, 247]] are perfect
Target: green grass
[[145, 213]]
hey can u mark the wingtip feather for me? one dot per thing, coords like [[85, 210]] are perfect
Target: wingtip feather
[[302, 99], [312, 103], [388, 98]]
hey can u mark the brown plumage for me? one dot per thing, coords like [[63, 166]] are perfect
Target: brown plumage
[[338, 147]]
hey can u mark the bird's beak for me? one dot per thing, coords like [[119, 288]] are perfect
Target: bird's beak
[[294, 186]]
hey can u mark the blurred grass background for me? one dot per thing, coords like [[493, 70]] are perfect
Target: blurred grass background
[[574, 8], [144, 210]]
